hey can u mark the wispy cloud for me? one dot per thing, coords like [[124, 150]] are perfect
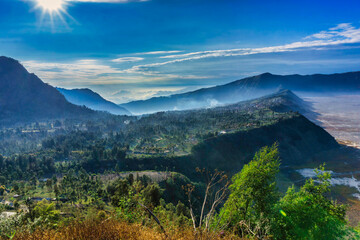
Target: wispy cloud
[[86, 71], [160, 52], [87, 67], [93, 72], [127, 59], [341, 34], [107, 1]]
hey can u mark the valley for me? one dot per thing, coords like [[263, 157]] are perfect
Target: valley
[[340, 116], [88, 161]]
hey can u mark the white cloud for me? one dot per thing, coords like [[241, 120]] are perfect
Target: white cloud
[[127, 59], [93, 72], [107, 1], [321, 35], [161, 52], [343, 33], [342, 26], [86, 71]]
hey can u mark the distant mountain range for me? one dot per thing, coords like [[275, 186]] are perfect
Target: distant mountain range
[[248, 88], [92, 100], [24, 97]]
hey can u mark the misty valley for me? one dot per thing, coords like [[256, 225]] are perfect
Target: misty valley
[[252, 159]]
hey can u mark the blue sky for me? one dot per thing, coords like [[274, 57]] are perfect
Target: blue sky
[[128, 50]]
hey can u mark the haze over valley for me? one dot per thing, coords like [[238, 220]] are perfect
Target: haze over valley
[[340, 116], [189, 120]]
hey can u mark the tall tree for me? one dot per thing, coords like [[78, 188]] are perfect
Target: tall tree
[[253, 194]]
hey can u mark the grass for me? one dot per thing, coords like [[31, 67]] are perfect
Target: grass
[[111, 229]]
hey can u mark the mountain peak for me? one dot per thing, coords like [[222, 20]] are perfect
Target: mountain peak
[[266, 74], [8, 59], [24, 97], [8, 65], [93, 100]]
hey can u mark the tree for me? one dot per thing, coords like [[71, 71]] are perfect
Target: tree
[[2, 180], [215, 193], [57, 192], [1, 161], [46, 214], [117, 190], [309, 214], [30, 206], [16, 204], [181, 209], [117, 167], [130, 179], [253, 194], [152, 195], [54, 179], [49, 184]]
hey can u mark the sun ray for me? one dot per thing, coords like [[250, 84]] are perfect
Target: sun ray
[[50, 6], [53, 10]]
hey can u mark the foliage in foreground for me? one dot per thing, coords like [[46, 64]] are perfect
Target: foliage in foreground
[[309, 214], [110, 229], [255, 209], [253, 194]]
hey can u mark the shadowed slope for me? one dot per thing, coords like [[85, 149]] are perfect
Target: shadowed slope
[[24, 97]]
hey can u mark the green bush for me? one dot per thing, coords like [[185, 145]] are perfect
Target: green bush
[[309, 214], [45, 214], [255, 209]]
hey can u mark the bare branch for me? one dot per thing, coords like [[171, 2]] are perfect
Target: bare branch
[[155, 218]]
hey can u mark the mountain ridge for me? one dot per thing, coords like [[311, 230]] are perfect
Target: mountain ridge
[[92, 100], [248, 88]]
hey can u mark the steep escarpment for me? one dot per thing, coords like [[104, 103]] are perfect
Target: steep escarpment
[[299, 140]]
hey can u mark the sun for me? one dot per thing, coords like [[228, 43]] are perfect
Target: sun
[[51, 6], [53, 13]]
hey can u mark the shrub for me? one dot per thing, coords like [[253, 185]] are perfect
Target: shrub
[[309, 214]]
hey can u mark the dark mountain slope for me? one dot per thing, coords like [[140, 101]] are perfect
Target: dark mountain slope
[[300, 143], [248, 88], [92, 100], [24, 97], [300, 140], [280, 101], [339, 82]]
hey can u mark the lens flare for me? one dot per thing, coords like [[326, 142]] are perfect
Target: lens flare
[[282, 213]]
